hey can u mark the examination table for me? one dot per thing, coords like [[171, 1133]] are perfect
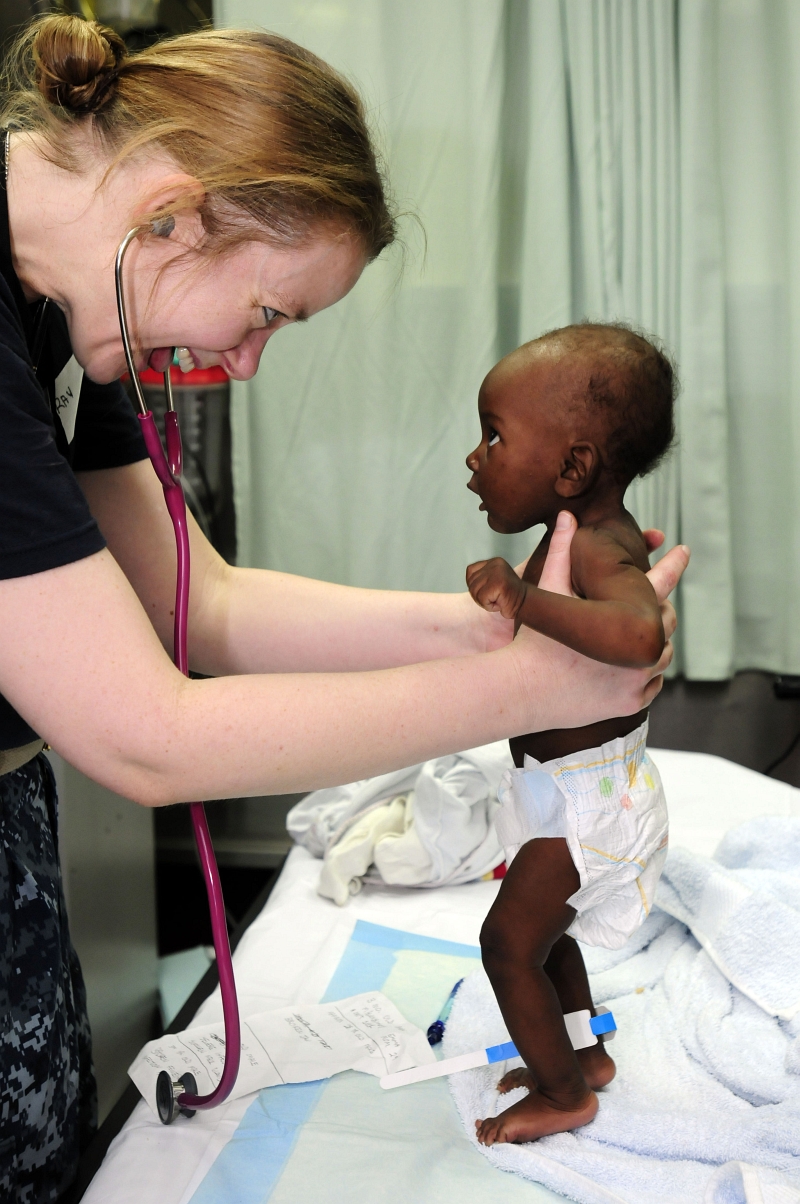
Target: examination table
[[401, 1147]]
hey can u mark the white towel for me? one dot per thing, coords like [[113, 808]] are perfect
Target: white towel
[[744, 909], [706, 1103]]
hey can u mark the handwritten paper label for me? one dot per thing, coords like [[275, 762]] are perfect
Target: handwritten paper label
[[297, 1044], [68, 393]]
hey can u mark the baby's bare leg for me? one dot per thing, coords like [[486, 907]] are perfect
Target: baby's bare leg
[[529, 916], [566, 970]]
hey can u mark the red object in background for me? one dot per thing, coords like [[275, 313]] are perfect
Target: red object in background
[[500, 870], [192, 380]]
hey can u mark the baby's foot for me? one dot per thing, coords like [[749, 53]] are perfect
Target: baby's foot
[[521, 1077], [536, 1116], [597, 1067]]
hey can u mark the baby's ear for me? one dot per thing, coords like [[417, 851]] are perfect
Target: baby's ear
[[578, 470]]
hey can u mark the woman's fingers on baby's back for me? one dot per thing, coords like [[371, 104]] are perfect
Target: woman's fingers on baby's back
[[653, 688], [665, 660], [653, 538], [656, 681], [666, 574], [669, 618]]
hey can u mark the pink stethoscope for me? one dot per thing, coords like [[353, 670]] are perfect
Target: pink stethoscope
[[181, 1096]]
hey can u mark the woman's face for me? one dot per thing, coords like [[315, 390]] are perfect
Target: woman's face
[[224, 310]]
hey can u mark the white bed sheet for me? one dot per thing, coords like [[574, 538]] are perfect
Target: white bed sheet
[[292, 949]]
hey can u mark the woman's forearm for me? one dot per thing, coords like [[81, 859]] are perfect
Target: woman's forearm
[[261, 621], [252, 621], [294, 732], [265, 734]]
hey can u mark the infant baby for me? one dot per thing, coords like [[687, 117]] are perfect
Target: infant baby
[[567, 422]]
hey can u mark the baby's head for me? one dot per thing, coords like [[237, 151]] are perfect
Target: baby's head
[[568, 420]]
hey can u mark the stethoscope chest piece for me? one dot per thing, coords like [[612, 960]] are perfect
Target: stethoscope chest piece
[[167, 1093]]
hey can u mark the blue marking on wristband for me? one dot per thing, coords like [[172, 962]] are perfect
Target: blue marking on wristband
[[604, 1023], [499, 1053]]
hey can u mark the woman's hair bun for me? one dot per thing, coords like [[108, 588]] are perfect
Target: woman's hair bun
[[77, 62]]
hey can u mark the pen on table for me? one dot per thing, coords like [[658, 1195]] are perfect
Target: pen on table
[[436, 1030]]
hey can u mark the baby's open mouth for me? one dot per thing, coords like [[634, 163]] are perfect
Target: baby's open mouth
[[474, 489]]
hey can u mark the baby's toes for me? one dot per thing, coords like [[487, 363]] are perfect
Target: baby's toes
[[521, 1077], [486, 1130]]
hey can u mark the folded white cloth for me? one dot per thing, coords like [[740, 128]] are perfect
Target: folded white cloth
[[741, 1183], [706, 1103], [608, 802], [385, 826], [744, 909], [429, 825]]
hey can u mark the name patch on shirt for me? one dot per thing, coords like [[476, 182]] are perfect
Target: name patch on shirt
[[68, 393]]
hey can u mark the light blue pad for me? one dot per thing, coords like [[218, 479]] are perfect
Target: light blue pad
[[343, 1139]]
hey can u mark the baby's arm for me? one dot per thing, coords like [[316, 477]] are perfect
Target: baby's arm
[[617, 620]]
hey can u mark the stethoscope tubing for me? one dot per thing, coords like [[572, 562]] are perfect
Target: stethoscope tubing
[[168, 467]]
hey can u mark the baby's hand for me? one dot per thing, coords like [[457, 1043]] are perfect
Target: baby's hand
[[495, 586]]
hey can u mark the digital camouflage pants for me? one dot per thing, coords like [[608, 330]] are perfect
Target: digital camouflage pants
[[47, 1092]]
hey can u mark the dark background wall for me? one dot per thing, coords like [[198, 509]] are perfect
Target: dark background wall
[[14, 14], [739, 719], [173, 16]]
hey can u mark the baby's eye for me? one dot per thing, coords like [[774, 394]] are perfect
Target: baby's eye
[[493, 437], [270, 314]]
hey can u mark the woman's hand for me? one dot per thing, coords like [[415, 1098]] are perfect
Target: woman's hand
[[593, 691], [653, 538]]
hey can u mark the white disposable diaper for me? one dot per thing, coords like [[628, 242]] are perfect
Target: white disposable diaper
[[608, 803]]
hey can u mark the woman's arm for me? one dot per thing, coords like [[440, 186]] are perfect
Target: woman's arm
[[256, 621], [82, 663]]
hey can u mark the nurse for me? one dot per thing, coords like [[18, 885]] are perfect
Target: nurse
[[260, 154]]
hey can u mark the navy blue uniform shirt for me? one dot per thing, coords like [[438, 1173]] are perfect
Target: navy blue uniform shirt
[[47, 434]]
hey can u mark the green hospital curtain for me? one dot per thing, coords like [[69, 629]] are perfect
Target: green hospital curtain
[[759, 120], [622, 145], [350, 444], [630, 159]]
